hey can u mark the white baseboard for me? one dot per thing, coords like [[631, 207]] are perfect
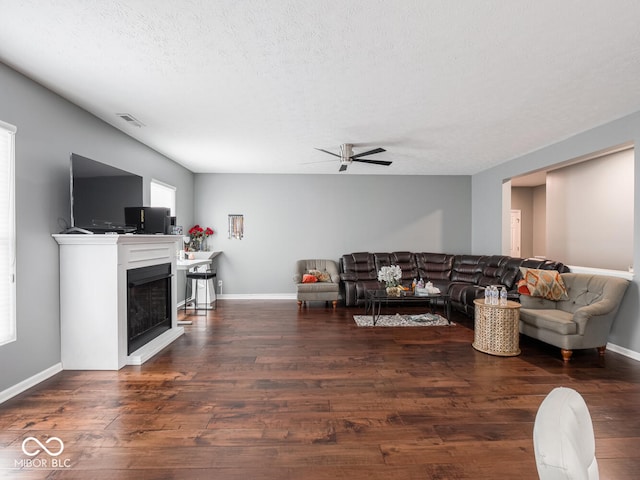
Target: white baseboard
[[250, 296], [30, 382], [257, 296], [624, 351]]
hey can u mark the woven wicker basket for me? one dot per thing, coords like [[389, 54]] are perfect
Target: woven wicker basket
[[497, 328]]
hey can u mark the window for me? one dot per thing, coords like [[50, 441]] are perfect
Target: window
[[163, 195], [7, 235]]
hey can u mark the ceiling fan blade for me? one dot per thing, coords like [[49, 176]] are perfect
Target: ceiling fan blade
[[343, 167], [375, 162], [370, 152], [330, 153]]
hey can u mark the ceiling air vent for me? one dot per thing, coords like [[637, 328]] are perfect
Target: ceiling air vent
[[130, 119]]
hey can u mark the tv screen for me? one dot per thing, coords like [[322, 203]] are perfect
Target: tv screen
[[99, 195]]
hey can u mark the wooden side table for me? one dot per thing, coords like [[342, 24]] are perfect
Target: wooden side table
[[497, 328]]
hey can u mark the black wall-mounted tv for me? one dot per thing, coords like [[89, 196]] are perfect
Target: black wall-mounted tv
[[99, 195]]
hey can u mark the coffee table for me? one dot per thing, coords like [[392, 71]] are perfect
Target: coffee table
[[375, 298]]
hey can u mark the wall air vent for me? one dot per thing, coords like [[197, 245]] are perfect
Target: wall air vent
[[130, 119]]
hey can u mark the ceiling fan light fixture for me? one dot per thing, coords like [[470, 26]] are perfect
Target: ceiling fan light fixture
[[347, 157], [346, 151]]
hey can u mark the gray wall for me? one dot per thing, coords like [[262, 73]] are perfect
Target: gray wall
[[291, 217], [487, 236], [49, 129], [590, 203], [539, 221]]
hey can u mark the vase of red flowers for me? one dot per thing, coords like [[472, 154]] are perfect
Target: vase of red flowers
[[199, 236]]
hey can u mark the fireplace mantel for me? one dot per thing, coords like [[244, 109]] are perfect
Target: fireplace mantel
[[93, 297]]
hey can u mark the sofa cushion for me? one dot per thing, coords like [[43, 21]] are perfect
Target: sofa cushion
[[407, 263], [405, 260], [510, 272], [467, 268], [541, 264], [492, 269], [542, 283], [359, 265], [318, 287], [557, 321], [538, 302], [434, 267]]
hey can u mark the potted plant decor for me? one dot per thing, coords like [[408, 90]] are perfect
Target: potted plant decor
[[391, 276]]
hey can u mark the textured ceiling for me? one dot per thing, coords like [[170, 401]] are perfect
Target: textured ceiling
[[447, 87]]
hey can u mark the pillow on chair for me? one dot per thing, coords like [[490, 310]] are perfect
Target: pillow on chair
[[321, 276], [308, 278], [324, 277], [542, 283]]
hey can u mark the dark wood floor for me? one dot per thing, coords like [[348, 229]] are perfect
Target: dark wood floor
[[257, 390]]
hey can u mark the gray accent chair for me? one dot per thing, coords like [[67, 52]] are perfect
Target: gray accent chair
[[582, 321], [320, 291]]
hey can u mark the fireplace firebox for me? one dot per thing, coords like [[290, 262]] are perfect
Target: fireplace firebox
[[148, 304]]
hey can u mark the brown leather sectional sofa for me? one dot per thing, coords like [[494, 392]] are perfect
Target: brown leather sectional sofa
[[463, 277]]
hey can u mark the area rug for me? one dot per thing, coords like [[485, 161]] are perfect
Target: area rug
[[397, 320]]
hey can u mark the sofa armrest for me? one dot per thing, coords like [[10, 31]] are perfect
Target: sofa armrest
[[594, 314], [297, 278], [348, 277], [597, 309], [602, 307]]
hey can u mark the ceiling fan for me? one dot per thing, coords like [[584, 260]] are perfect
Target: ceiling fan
[[346, 156]]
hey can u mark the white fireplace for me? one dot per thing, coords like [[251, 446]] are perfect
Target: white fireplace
[[93, 297]]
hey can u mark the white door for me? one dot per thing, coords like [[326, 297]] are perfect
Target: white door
[[515, 233]]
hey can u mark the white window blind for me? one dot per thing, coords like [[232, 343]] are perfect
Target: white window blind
[[7, 235], [163, 195]]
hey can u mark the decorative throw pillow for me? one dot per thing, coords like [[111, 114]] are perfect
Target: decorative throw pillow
[[522, 287], [542, 283], [321, 276], [324, 277], [308, 278]]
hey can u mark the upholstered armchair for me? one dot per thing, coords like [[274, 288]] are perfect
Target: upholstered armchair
[[581, 319], [317, 280]]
